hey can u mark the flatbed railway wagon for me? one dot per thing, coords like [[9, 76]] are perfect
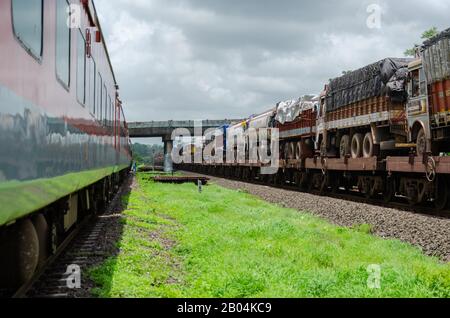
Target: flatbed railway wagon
[[64, 143]]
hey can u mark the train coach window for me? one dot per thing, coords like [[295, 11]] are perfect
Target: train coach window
[[62, 43], [109, 112], [27, 18], [93, 84], [81, 69], [112, 113], [91, 71], [99, 97], [105, 104]]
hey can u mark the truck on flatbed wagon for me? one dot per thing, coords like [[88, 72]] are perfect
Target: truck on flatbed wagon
[[363, 112], [390, 107], [382, 130], [428, 109]]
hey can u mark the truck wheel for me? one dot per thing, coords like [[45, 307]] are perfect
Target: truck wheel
[[291, 151], [286, 151], [298, 150], [368, 146], [357, 142], [344, 147], [421, 143], [282, 151]]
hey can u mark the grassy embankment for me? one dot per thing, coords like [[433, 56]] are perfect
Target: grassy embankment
[[222, 243]]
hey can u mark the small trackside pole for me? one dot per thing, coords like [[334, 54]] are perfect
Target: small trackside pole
[[200, 186]]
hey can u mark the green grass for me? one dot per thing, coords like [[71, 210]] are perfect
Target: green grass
[[222, 243]]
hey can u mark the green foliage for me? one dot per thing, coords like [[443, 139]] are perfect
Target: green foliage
[[178, 242], [431, 33], [426, 35], [411, 52], [364, 228], [146, 154]]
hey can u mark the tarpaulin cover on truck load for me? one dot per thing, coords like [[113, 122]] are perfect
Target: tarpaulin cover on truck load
[[261, 121], [386, 77], [436, 57], [288, 111]]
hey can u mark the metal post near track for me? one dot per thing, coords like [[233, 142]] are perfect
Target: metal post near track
[[168, 147]]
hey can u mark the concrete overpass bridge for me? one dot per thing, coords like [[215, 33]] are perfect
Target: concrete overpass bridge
[[164, 129]]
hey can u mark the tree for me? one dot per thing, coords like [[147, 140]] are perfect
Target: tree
[[431, 33], [145, 154], [428, 34]]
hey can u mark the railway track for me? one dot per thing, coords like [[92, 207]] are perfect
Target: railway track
[[61, 276]]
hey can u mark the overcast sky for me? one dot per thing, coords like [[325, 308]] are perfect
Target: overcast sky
[[215, 59]]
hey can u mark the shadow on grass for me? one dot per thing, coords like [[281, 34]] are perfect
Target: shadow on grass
[[144, 259], [112, 237]]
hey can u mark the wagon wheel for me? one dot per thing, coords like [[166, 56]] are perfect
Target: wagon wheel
[[324, 184], [413, 196], [297, 178], [305, 182], [285, 177], [334, 183], [441, 194], [275, 179], [20, 254], [369, 192], [389, 190], [309, 182]]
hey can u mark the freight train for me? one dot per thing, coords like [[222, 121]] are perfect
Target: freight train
[[64, 145], [381, 131]]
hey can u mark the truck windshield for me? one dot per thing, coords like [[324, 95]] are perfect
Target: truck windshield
[[415, 84]]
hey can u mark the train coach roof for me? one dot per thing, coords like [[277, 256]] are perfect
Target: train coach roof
[[97, 20]]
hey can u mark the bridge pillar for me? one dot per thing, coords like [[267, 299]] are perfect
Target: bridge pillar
[[168, 147]]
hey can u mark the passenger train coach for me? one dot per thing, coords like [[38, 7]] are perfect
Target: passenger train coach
[[64, 143]]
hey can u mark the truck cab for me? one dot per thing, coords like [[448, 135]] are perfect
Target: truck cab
[[320, 144], [418, 109]]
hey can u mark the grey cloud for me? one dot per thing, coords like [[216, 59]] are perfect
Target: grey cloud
[[226, 59]]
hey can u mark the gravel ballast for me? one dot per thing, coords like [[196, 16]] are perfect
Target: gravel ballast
[[109, 227], [430, 233]]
